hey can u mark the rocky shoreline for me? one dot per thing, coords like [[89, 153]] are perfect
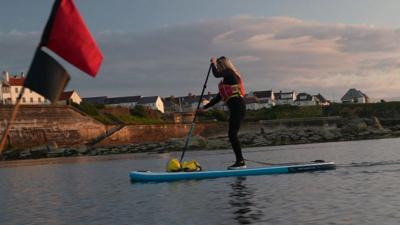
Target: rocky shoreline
[[351, 130]]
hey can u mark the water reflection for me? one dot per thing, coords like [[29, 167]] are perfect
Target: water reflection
[[243, 202]]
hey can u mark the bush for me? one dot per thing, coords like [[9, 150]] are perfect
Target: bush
[[139, 111], [87, 108], [144, 112], [284, 112], [381, 109]]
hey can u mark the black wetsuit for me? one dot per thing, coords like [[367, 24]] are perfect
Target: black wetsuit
[[237, 109]]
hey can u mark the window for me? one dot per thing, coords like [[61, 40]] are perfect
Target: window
[[31, 100], [6, 89], [16, 90], [23, 99], [39, 99]]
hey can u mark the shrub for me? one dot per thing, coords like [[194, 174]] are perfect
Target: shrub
[[87, 108]]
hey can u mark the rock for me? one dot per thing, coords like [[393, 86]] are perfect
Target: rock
[[151, 146], [218, 144], [294, 137], [11, 154], [161, 150], [259, 140], [82, 150], [93, 152], [55, 153], [52, 145], [25, 154], [376, 123], [328, 135], [123, 149], [175, 142], [39, 152], [315, 138], [364, 133], [70, 152], [301, 133], [354, 126]]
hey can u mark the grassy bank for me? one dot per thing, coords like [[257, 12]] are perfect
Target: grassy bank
[[141, 115]]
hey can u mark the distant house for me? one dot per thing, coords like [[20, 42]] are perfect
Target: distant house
[[220, 105], [153, 102], [68, 97], [252, 103], [354, 96], [285, 98], [102, 100], [305, 99], [189, 103], [321, 100], [127, 101], [266, 98], [11, 87], [171, 104]]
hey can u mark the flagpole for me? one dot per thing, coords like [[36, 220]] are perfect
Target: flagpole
[[11, 121]]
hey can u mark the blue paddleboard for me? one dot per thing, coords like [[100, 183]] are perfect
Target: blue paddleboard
[[147, 176]]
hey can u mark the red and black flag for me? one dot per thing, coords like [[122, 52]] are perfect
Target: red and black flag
[[67, 35]]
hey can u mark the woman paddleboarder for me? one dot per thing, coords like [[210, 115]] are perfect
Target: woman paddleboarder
[[231, 91]]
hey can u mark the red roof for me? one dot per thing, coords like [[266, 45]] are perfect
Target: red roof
[[16, 81], [66, 95]]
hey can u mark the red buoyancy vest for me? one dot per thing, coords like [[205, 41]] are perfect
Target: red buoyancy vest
[[228, 91]]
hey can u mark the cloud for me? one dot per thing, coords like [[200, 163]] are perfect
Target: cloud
[[279, 53]]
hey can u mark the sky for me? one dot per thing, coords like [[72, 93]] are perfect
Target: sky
[[163, 47]]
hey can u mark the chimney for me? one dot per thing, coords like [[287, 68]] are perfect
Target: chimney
[[6, 76]]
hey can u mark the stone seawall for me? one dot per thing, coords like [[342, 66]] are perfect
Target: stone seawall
[[66, 126], [139, 134], [162, 138], [39, 124]]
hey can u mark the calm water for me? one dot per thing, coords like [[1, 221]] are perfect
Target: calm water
[[364, 189]]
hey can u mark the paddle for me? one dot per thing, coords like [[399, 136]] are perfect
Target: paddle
[[195, 116]]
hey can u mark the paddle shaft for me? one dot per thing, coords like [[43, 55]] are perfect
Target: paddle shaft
[[195, 116]]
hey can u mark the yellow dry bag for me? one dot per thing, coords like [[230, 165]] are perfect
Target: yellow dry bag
[[175, 166], [191, 166]]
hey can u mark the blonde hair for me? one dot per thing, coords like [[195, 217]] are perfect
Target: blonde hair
[[225, 63]]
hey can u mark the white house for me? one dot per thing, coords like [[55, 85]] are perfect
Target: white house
[[252, 103], [11, 87], [266, 98], [285, 98], [321, 100], [153, 102], [68, 97], [354, 96], [189, 103], [305, 99]]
